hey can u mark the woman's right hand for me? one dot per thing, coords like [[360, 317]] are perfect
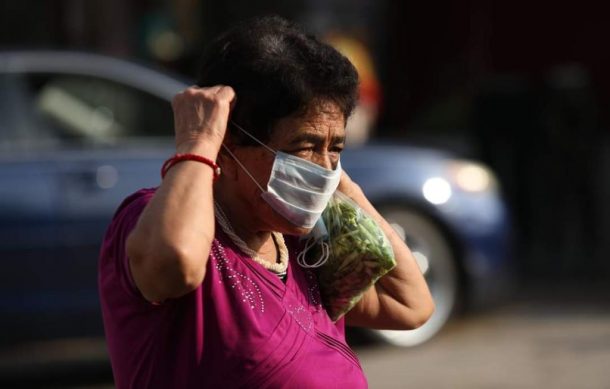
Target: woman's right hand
[[201, 116]]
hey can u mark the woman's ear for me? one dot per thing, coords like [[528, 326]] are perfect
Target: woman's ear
[[225, 160]]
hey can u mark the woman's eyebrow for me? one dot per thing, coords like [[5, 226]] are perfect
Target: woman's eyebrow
[[316, 138]]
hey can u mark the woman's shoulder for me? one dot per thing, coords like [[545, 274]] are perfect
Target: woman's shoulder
[[127, 213], [138, 199], [113, 261]]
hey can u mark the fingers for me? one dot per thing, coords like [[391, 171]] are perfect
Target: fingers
[[202, 112], [346, 185], [218, 93], [225, 92]]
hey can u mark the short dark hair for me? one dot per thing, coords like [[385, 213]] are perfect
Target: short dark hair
[[276, 70]]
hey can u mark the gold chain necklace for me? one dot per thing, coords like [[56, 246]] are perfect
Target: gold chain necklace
[[278, 268]]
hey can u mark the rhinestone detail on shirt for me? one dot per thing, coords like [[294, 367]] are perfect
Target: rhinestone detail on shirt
[[312, 290], [301, 315], [249, 291]]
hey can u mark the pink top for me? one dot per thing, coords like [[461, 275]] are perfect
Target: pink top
[[243, 327]]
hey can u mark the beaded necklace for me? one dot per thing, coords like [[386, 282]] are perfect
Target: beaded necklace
[[277, 268]]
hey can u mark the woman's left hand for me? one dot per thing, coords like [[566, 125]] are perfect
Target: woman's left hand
[[346, 185]]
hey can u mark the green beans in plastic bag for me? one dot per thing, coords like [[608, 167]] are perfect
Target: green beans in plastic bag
[[359, 254]]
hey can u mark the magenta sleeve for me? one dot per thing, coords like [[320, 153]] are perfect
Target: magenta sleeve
[[113, 256]]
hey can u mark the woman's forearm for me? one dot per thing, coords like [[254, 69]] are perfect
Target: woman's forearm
[[168, 249]]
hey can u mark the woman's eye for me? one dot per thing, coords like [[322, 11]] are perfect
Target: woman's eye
[[303, 150]]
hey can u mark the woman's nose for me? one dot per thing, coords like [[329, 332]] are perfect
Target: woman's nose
[[325, 161]]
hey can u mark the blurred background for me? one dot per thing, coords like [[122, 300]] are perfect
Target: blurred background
[[522, 88]]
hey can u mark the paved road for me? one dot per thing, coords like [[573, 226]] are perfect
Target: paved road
[[559, 341]]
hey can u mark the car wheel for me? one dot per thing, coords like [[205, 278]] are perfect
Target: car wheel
[[436, 259]]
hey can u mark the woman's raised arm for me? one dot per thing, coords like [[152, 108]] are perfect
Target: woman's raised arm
[[400, 300], [168, 248]]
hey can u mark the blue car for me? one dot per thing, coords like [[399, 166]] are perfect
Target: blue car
[[79, 132]]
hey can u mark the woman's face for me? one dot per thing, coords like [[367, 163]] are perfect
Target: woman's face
[[317, 135]]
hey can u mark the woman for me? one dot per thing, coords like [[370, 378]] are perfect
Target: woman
[[198, 279]]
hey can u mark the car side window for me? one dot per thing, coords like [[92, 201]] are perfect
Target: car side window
[[51, 109], [21, 126]]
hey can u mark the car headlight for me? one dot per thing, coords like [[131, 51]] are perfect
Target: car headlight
[[472, 177], [437, 190]]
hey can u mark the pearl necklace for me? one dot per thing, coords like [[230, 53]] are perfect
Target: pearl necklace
[[278, 268]]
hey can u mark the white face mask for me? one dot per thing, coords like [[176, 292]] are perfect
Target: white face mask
[[297, 189]]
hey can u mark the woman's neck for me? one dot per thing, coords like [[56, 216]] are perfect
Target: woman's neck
[[246, 227]]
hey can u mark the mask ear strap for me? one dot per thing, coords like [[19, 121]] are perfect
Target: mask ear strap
[[243, 167], [324, 255], [253, 137]]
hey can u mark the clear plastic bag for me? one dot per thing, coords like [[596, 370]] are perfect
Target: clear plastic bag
[[355, 252]]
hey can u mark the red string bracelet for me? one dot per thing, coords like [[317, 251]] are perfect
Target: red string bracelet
[[189, 157]]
